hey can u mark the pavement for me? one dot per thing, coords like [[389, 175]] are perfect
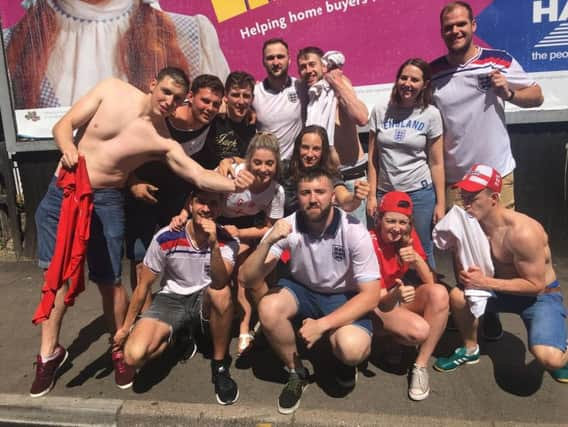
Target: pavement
[[507, 388]]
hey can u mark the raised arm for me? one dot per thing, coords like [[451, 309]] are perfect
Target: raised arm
[[347, 98], [260, 262]]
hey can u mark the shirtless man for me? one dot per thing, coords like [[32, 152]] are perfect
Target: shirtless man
[[156, 193], [119, 128], [351, 112], [525, 282]]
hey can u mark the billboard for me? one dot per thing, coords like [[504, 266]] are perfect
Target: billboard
[[66, 46]]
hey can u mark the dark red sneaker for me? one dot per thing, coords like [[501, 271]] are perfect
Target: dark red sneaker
[[123, 374], [46, 372]]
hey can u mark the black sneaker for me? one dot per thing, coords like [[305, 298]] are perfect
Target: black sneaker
[[345, 375], [226, 390], [289, 399], [492, 328], [185, 347]]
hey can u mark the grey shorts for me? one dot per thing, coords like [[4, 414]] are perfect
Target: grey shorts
[[178, 311]]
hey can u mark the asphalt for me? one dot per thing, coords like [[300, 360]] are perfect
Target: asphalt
[[507, 388]]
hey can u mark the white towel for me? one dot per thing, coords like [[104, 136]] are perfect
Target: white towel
[[322, 108], [463, 234]]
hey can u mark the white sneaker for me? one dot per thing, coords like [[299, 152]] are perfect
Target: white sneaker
[[419, 387]]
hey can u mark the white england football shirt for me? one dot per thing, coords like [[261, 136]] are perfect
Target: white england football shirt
[[279, 113], [473, 115], [337, 261], [186, 268]]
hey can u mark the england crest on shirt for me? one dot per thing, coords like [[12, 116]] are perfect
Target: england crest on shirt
[[484, 82], [292, 97], [399, 134], [207, 269], [338, 252]]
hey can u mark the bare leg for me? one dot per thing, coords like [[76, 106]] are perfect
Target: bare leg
[[148, 340], [465, 321], [50, 328], [351, 344], [220, 320], [433, 303], [115, 304], [275, 311], [550, 357]]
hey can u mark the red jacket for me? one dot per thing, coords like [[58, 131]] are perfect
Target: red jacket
[[68, 260]]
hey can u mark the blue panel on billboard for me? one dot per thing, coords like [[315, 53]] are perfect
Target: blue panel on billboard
[[534, 32]]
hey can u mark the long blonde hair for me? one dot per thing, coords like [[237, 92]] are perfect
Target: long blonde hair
[[266, 141]]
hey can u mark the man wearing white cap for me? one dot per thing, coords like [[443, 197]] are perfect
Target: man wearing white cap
[[525, 282]]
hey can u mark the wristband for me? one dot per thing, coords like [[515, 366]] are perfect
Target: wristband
[[511, 96]]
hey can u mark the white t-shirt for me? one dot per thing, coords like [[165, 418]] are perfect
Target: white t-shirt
[[270, 201], [474, 116], [402, 136], [186, 268], [337, 261], [279, 113]]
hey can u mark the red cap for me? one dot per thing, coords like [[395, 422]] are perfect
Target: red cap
[[479, 178], [396, 201]]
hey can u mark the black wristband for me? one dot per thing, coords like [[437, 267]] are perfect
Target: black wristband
[[511, 96]]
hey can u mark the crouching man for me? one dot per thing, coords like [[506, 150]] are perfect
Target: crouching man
[[525, 282], [334, 285], [197, 263]]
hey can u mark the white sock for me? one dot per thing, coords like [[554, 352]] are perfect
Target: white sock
[[51, 356], [474, 350]]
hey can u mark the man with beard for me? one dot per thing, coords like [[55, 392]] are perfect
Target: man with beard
[[334, 284], [276, 98], [471, 85]]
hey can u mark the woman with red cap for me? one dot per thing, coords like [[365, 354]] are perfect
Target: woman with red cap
[[414, 312]]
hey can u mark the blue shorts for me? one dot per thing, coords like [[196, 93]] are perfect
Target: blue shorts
[[104, 250], [316, 304], [544, 316]]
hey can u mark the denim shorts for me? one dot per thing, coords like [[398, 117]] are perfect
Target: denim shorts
[[104, 250], [544, 316], [178, 311], [316, 304]]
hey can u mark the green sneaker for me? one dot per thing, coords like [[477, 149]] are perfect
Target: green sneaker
[[291, 396], [560, 375], [460, 356]]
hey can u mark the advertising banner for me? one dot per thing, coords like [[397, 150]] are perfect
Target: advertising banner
[[58, 49]]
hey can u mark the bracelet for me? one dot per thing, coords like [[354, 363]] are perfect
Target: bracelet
[[511, 96]]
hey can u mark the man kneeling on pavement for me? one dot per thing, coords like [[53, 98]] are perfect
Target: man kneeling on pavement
[[334, 284], [525, 282], [197, 263]]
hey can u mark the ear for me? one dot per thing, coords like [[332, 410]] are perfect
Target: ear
[[153, 84], [189, 97], [474, 25]]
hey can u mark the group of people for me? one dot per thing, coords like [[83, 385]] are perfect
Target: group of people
[[284, 217]]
